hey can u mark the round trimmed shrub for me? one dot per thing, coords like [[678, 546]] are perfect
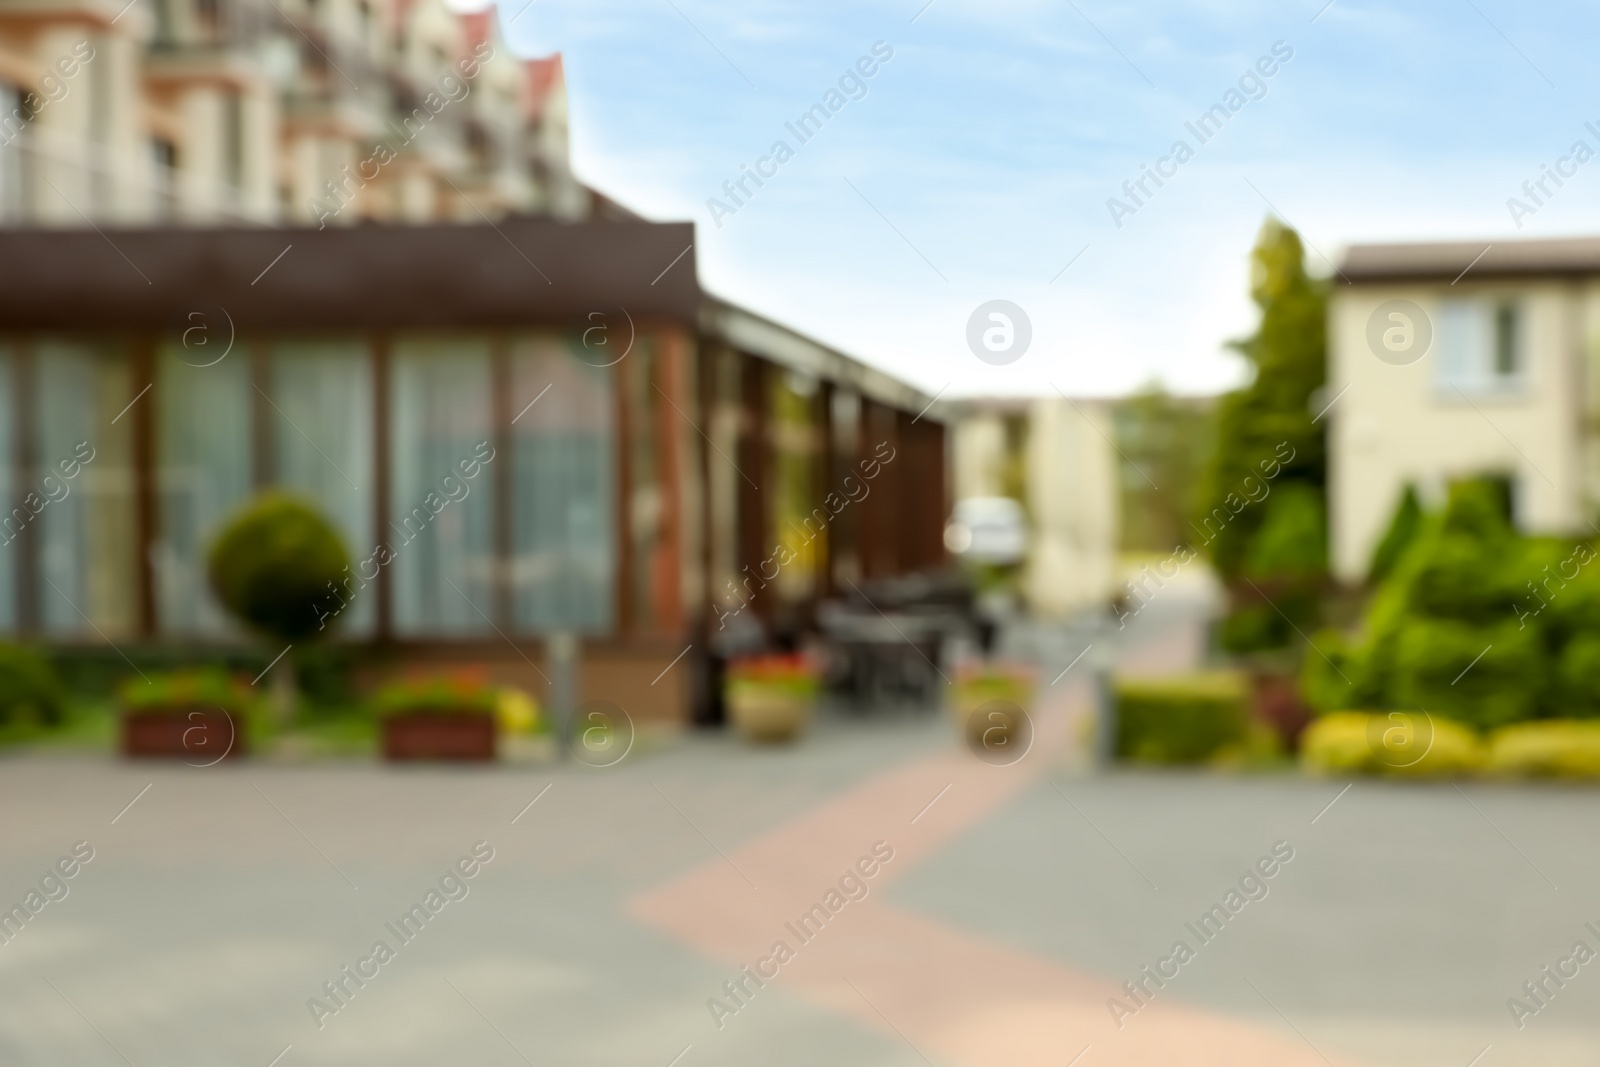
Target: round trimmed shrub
[[275, 567]]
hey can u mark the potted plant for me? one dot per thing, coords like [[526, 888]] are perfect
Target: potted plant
[[439, 717], [990, 695], [770, 697], [197, 715]]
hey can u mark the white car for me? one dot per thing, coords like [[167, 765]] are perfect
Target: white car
[[988, 529]]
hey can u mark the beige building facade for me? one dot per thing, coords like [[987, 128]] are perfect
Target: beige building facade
[[1459, 359], [230, 112], [1058, 454]]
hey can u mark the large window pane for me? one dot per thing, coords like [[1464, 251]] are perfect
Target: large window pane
[[203, 474], [441, 522], [322, 392], [87, 550], [563, 492], [8, 488]]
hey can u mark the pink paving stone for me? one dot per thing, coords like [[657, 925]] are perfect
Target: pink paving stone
[[956, 996]]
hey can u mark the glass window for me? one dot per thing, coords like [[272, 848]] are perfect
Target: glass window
[[203, 432], [1481, 345], [8, 488], [14, 121], [323, 449], [441, 520], [85, 538], [563, 490], [798, 517]]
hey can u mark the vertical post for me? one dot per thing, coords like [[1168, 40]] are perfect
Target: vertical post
[[30, 619], [381, 409], [1104, 694], [145, 484], [561, 653], [500, 417], [622, 381]]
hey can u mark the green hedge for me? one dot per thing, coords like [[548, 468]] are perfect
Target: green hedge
[[1184, 719]]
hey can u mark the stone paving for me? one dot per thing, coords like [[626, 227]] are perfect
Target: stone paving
[[616, 916]]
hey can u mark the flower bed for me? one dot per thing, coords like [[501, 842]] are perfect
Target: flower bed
[[440, 717], [198, 715]]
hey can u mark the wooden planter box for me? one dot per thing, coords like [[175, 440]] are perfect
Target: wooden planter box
[[197, 735], [439, 735]]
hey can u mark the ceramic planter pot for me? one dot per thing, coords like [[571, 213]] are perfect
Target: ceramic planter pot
[[767, 714], [982, 705], [439, 735]]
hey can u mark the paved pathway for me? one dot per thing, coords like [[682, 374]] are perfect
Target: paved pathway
[[1017, 901]]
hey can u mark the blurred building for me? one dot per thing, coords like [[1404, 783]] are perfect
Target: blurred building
[[649, 461], [1456, 359], [1056, 458], [274, 111]]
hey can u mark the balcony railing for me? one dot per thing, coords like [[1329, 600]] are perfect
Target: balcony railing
[[99, 185]]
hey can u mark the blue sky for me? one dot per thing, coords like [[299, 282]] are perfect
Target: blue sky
[[980, 161]]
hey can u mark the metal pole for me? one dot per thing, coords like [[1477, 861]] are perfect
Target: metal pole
[[1102, 659], [562, 655]]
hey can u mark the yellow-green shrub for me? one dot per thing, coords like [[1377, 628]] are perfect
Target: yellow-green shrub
[[1353, 742], [1556, 748]]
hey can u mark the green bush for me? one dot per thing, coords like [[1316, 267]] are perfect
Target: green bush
[[275, 565], [1435, 670], [461, 691], [1556, 748], [1404, 526], [1293, 540], [200, 689], [1351, 742], [1334, 676], [1578, 675], [1186, 719], [31, 694]]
